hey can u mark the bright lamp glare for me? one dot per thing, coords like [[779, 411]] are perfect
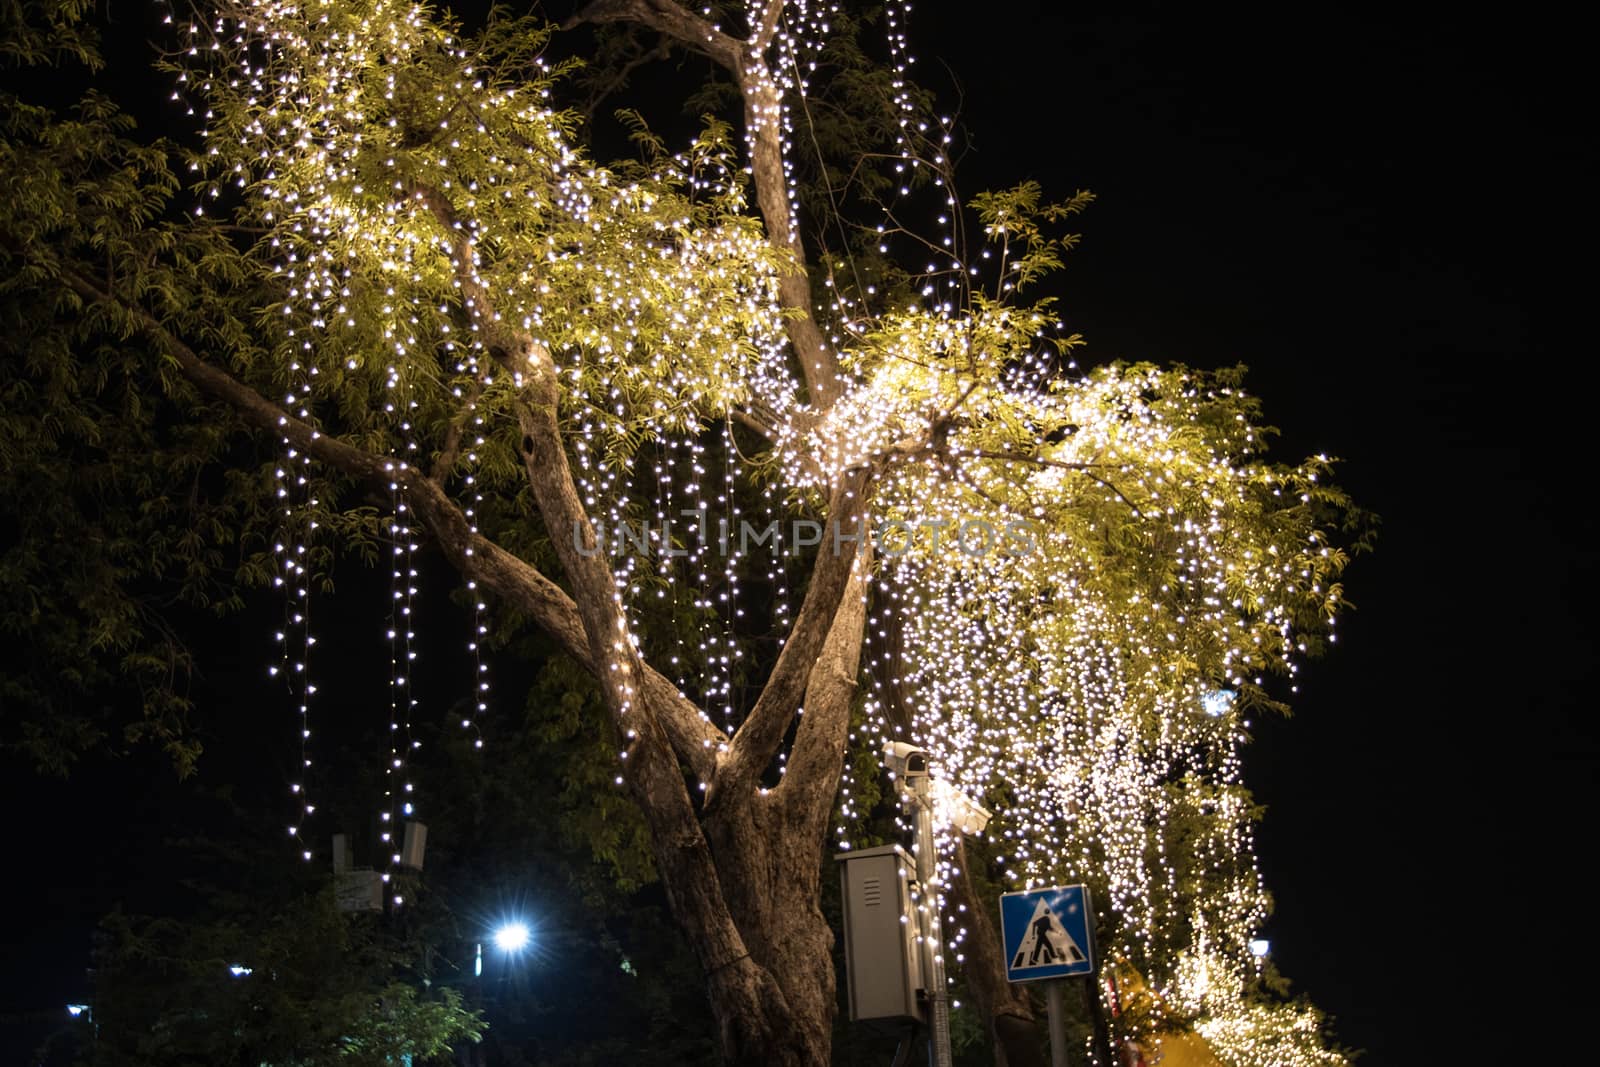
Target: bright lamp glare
[[512, 937], [1260, 948]]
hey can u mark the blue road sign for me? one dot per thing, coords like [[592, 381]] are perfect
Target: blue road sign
[[1046, 933]]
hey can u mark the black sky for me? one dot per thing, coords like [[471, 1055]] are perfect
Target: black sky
[[1383, 217], [1378, 214]]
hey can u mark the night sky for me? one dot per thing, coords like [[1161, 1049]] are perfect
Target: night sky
[[1377, 217], [1383, 219]]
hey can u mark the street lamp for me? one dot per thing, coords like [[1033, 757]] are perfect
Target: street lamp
[[512, 936]]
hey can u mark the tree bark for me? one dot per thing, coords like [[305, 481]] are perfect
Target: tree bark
[[763, 109], [770, 851]]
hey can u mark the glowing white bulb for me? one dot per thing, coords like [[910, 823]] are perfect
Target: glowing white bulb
[[512, 937]]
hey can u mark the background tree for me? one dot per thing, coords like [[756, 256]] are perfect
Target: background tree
[[301, 985]]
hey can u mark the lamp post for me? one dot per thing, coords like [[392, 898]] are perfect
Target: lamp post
[[932, 930], [910, 765], [510, 937]]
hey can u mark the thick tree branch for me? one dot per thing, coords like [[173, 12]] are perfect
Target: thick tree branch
[[756, 742], [754, 424], [767, 27], [817, 759], [451, 451], [476, 557], [517, 352], [763, 117], [763, 123], [653, 774], [682, 854], [668, 19]]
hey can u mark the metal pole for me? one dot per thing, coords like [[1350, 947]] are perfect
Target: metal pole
[[1058, 1023], [932, 959]]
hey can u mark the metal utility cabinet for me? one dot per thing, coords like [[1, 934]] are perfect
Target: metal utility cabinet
[[882, 961]]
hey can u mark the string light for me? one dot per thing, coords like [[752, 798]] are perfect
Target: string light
[[297, 507]]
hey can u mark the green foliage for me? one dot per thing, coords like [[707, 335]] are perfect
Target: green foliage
[[109, 501], [322, 988], [567, 728], [1016, 220], [36, 33], [604, 263]]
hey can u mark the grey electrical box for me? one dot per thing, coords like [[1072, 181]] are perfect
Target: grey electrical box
[[882, 963]]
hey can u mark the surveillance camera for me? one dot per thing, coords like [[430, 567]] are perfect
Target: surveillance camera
[[906, 761], [964, 813]]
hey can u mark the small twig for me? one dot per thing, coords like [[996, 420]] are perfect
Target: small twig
[[1038, 461], [972, 484], [616, 79], [1086, 469]]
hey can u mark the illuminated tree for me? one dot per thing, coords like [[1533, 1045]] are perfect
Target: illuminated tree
[[454, 324]]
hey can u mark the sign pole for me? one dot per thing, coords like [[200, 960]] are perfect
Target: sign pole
[[1048, 936], [1058, 1023]]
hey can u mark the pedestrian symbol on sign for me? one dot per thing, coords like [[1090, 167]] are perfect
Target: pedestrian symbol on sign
[[1047, 943], [1047, 933]]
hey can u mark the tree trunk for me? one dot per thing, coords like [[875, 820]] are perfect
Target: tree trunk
[[770, 879], [769, 850], [768, 853]]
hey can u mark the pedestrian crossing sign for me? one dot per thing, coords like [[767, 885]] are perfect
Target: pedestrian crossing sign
[[1047, 933]]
